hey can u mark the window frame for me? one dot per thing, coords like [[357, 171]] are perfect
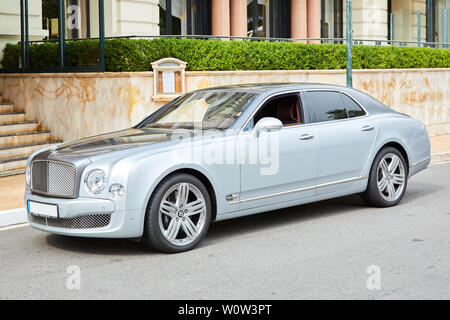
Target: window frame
[[249, 125], [202, 27], [340, 92], [348, 115], [281, 96], [306, 109], [313, 116]]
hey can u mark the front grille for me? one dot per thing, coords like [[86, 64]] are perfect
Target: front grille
[[53, 178], [91, 221]]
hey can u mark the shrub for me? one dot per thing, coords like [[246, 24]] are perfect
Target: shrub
[[202, 55]]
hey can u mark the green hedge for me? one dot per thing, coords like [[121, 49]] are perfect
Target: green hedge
[[201, 55]]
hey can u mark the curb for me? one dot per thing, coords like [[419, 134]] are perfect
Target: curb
[[440, 157], [11, 217]]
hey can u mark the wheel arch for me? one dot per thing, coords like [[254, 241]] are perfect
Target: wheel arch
[[200, 176], [396, 145], [400, 148]]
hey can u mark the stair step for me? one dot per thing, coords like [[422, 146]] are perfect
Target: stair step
[[19, 138], [6, 107], [13, 127], [12, 172], [13, 164], [8, 117], [24, 150]]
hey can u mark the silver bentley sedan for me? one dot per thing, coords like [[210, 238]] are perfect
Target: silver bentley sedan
[[222, 153]]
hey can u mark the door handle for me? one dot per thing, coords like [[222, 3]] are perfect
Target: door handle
[[367, 128], [306, 137]]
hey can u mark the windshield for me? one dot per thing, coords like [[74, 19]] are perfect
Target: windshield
[[203, 110]]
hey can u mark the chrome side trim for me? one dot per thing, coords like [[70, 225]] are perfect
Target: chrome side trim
[[328, 184], [277, 194], [420, 162]]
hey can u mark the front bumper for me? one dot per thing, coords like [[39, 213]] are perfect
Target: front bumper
[[120, 223]]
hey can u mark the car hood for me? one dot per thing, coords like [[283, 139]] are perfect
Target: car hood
[[112, 142]]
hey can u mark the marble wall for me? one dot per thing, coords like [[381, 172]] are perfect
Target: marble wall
[[76, 105]]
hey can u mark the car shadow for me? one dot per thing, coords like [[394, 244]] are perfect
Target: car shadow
[[278, 218], [415, 192], [217, 231], [234, 227], [97, 246]]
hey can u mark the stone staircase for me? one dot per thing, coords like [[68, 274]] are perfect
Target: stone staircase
[[18, 139]]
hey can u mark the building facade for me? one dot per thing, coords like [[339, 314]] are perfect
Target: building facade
[[405, 20]]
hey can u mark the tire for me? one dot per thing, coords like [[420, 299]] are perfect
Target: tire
[[379, 192], [176, 220]]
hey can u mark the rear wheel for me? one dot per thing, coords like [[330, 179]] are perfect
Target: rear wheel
[[178, 215], [387, 180]]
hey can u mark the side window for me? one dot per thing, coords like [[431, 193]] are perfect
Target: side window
[[326, 106], [353, 109], [286, 108]]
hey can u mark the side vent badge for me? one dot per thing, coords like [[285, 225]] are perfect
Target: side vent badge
[[232, 198]]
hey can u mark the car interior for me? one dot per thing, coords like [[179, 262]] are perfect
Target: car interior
[[285, 108]]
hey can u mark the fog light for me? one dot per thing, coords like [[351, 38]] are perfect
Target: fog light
[[116, 190]]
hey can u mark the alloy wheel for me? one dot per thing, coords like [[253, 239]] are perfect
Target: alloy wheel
[[182, 214], [391, 177]]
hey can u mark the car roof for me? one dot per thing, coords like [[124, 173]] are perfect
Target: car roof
[[264, 89], [274, 87]]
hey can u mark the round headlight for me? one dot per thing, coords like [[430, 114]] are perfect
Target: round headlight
[[95, 181], [116, 190]]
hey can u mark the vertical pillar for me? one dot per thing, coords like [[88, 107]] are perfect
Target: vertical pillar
[[101, 22], [299, 19], [445, 28], [419, 27], [220, 17], [239, 18], [430, 20], [62, 35], [27, 38], [392, 34], [313, 19], [22, 34], [349, 44]]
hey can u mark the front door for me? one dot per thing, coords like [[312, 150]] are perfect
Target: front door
[[278, 166]]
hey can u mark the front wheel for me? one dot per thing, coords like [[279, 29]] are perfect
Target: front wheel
[[178, 215], [387, 180]]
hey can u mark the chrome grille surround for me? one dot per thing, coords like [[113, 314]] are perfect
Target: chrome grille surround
[[53, 178], [91, 221]]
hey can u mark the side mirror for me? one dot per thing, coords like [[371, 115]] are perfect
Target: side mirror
[[268, 124]]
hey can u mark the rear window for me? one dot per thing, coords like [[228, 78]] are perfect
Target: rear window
[[326, 106], [353, 109]]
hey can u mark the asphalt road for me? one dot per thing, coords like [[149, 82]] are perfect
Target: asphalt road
[[326, 250]]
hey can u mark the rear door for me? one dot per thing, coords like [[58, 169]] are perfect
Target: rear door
[[345, 136]]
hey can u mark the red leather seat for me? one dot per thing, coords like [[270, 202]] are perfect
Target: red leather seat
[[288, 113]]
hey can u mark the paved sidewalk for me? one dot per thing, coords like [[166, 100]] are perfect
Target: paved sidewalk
[[12, 188], [440, 148]]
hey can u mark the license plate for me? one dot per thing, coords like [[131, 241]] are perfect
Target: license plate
[[43, 209]]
